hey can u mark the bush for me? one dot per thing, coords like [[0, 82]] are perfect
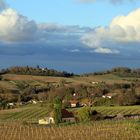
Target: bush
[[96, 115], [83, 114], [103, 102], [1, 77]]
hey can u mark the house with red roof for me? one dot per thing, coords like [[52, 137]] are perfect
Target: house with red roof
[[67, 116]]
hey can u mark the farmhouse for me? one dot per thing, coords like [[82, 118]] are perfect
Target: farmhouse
[[109, 95], [74, 103], [67, 116], [46, 120], [10, 104], [93, 82], [32, 101]]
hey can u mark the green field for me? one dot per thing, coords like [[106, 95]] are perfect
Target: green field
[[34, 112], [18, 124], [124, 110], [29, 113]]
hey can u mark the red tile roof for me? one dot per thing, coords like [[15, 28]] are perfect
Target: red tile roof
[[66, 114]]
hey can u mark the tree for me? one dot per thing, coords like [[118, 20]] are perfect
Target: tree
[[133, 88], [62, 82], [83, 114], [21, 87], [57, 110], [18, 100], [125, 99], [1, 77]]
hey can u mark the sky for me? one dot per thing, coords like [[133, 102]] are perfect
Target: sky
[[74, 35]]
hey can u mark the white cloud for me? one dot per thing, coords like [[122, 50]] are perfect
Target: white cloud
[[123, 29], [106, 51], [75, 50], [15, 27]]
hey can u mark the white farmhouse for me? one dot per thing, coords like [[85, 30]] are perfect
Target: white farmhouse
[[46, 120]]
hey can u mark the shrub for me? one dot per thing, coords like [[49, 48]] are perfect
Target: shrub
[[103, 102], [83, 114]]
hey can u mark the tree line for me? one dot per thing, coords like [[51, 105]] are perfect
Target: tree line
[[119, 71], [26, 70]]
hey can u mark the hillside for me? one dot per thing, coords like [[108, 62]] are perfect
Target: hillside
[[108, 78], [26, 70], [10, 81], [22, 121], [32, 113]]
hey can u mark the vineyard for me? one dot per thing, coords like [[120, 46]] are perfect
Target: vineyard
[[35, 112], [124, 110], [106, 130], [31, 114], [21, 124]]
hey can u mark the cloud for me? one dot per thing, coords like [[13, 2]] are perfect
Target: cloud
[[15, 27], [120, 1], [122, 30], [75, 50], [111, 1], [3, 5], [104, 51]]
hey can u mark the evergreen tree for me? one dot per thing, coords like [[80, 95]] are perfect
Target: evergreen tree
[[57, 110], [133, 88]]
